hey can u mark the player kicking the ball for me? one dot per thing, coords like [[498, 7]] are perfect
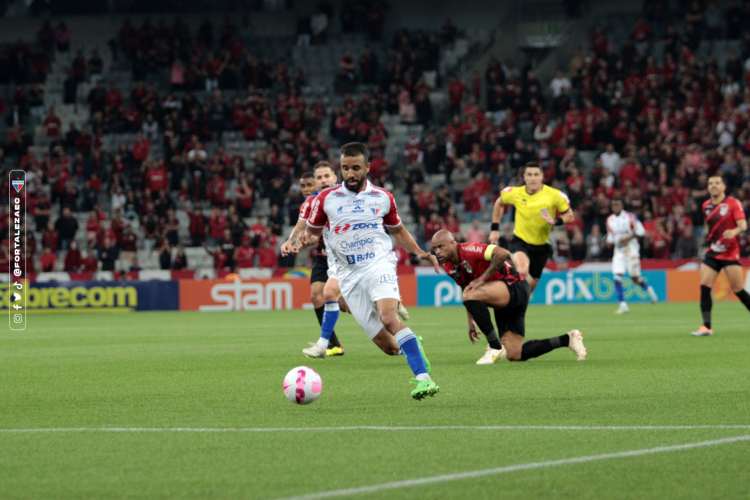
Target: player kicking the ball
[[356, 213], [725, 220], [623, 228], [488, 280], [323, 283]]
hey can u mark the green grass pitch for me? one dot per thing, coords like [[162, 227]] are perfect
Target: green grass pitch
[[71, 374]]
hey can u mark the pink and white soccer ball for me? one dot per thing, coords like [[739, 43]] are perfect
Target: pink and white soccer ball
[[302, 385]]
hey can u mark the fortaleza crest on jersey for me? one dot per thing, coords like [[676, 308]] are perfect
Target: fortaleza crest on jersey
[[17, 185], [375, 209]]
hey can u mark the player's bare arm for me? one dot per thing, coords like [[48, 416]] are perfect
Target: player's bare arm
[[307, 239], [733, 233], [497, 213], [499, 257], [293, 240], [406, 240]]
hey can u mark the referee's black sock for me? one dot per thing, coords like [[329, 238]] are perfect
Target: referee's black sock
[[334, 340], [744, 298], [706, 303], [482, 318], [535, 348]]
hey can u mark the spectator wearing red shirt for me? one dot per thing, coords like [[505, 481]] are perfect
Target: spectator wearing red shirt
[[52, 126], [456, 91], [217, 222], [631, 171], [156, 176], [47, 260], [244, 197], [73, 259], [216, 190], [114, 98], [599, 41], [220, 258], [432, 226], [140, 147], [661, 241], [128, 244], [198, 227], [51, 237], [90, 264], [244, 255], [267, 258], [472, 201], [642, 31]]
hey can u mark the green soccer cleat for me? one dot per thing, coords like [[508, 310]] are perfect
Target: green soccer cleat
[[424, 388], [424, 357]]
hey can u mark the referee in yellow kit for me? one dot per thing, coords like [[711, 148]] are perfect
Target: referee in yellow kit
[[534, 204]]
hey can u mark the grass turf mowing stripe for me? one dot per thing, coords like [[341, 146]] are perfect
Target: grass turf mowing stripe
[[512, 468], [384, 428]]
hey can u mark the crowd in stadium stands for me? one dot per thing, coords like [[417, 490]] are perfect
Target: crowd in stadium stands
[[663, 126]]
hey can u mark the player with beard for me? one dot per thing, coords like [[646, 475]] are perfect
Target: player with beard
[[725, 220], [488, 280], [356, 213]]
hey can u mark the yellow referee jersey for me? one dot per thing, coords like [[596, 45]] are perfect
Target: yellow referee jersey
[[530, 226]]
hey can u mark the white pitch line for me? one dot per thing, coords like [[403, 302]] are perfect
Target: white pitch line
[[384, 428], [512, 468]]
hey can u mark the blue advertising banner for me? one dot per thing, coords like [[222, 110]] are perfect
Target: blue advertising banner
[[99, 296], [561, 287], [573, 287]]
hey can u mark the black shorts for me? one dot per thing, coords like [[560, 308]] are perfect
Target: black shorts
[[513, 316], [538, 255], [718, 264], [319, 273]]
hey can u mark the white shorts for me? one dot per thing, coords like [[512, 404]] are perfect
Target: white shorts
[[332, 274], [380, 282], [623, 263]]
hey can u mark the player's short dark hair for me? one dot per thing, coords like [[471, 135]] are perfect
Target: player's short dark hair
[[307, 175], [354, 149], [618, 200], [532, 164], [322, 164], [717, 174]]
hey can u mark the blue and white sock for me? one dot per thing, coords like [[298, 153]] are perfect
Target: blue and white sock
[[407, 341], [330, 317], [643, 283], [619, 290]]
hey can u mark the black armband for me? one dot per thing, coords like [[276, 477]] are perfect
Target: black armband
[[495, 226], [559, 221]]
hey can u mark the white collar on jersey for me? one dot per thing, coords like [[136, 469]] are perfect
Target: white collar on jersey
[[367, 189]]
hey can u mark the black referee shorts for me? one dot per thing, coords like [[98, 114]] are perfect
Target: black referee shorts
[[718, 264], [513, 316], [538, 255], [319, 273]]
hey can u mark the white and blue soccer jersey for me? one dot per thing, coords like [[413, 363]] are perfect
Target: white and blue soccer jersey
[[626, 257], [361, 248]]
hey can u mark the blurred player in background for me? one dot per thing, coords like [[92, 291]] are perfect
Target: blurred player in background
[[623, 228], [323, 282], [488, 280], [725, 220], [356, 213], [534, 203]]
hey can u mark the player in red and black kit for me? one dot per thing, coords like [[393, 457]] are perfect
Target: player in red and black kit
[[310, 184], [725, 220], [488, 280]]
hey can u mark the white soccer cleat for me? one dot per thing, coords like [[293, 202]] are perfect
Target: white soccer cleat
[[402, 312], [652, 295], [702, 332], [314, 351], [576, 344], [491, 356], [623, 309]]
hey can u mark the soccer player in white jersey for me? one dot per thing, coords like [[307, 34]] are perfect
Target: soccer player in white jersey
[[356, 213], [623, 228]]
